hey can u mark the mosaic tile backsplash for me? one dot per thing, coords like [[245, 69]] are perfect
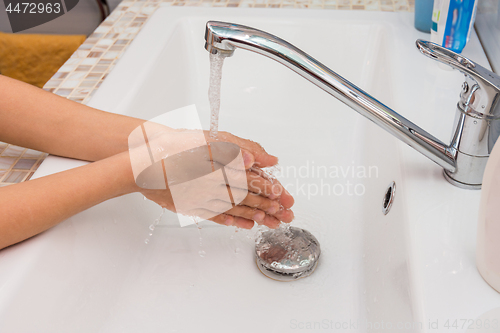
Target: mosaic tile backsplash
[[17, 164], [80, 77]]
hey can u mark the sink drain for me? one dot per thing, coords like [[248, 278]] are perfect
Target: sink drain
[[389, 196], [287, 254]]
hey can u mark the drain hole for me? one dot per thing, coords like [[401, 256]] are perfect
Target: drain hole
[[389, 198]]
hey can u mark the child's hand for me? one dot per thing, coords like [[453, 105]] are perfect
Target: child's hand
[[189, 177]]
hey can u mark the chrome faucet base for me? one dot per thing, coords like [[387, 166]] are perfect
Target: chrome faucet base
[[460, 184], [478, 113]]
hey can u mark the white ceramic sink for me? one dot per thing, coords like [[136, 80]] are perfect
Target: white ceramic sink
[[94, 272]]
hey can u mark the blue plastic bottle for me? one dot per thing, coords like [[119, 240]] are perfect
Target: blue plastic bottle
[[423, 15]]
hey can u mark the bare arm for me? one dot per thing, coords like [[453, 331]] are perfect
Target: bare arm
[[31, 207], [33, 118]]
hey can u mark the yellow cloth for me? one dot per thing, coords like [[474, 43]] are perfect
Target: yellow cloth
[[35, 58]]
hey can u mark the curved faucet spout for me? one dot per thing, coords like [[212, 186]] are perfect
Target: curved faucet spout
[[224, 38]]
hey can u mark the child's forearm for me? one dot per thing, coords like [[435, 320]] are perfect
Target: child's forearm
[[31, 207], [33, 118]]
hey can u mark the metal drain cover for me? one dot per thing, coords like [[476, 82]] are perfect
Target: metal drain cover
[[287, 253]]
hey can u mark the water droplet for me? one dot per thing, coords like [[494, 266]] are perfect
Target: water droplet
[[202, 253], [152, 226], [146, 241], [237, 250], [150, 234], [145, 198]]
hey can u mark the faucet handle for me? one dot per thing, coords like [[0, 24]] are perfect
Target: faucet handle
[[481, 90], [463, 64]]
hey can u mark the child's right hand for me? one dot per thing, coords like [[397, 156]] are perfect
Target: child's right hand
[[186, 183]]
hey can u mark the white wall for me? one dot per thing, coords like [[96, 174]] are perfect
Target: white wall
[[488, 29]]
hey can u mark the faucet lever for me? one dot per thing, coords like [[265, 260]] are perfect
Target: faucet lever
[[457, 61]]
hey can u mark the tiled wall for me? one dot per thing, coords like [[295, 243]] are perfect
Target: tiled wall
[[87, 68], [17, 164]]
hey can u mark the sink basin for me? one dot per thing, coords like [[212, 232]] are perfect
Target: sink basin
[[101, 270]]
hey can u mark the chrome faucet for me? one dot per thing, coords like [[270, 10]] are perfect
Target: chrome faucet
[[478, 111]]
